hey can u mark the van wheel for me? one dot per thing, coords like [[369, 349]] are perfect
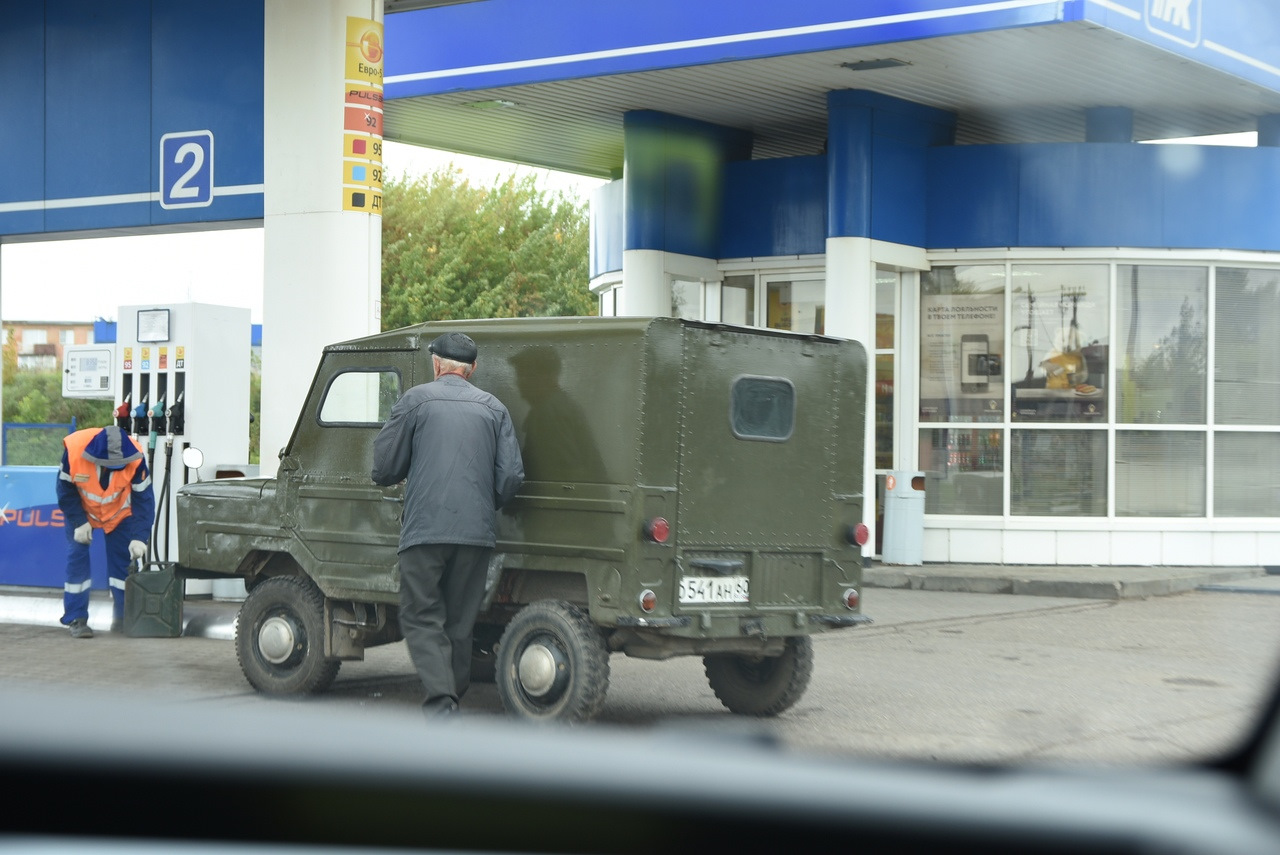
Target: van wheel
[[280, 638], [761, 685], [553, 663]]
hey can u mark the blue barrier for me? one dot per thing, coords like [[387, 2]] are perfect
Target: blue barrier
[[33, 542]]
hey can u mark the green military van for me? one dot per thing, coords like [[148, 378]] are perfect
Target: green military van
[[691, 489]]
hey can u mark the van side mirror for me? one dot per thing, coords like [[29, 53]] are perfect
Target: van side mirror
[[193, 458]]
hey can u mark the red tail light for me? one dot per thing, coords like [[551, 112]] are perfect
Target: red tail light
[[852, 599], [858, 534], [657, 530]]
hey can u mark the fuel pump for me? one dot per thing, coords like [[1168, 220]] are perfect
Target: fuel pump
[[184, 381]]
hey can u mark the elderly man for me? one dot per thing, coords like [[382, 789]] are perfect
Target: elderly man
[[103, 484], [455, 448]]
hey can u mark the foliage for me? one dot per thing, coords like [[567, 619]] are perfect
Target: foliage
[[10, 356], [453, 250], [255, 408], [33, 397]]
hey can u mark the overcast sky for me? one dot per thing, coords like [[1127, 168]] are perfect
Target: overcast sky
[[82, 280]]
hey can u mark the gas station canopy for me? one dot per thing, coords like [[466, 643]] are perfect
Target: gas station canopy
[[469, 78]]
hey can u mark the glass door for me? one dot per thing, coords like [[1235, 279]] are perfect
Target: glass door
[[887, 290]]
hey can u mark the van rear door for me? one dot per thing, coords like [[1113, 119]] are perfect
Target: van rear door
[[757, 450]]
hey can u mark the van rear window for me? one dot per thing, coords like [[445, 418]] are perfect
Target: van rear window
[[762, 408]]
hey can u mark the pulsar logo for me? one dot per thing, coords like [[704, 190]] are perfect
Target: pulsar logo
[[1174, 19]]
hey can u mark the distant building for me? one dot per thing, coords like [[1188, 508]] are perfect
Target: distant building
[[40, 343]]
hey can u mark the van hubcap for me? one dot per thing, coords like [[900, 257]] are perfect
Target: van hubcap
[[277, 639], [543, 670]]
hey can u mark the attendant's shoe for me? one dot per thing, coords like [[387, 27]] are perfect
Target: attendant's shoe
[[80, 628]]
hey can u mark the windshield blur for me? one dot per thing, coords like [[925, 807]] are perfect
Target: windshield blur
[[955, 438]]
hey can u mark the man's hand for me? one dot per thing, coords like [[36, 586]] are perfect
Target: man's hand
[[83, 534], [137, 550]]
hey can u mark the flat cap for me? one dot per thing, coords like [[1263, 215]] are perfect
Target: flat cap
[[454, 345]]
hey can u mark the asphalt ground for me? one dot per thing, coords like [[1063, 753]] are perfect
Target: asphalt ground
[[207, 618]]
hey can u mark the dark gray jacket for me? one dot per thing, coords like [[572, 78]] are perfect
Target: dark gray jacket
[[454, 446]]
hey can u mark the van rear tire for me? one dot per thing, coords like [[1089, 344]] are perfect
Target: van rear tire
[[761, 685]]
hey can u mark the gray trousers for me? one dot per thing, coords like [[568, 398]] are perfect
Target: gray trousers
[[441, 587]]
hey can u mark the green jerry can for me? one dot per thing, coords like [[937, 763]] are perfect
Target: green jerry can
[[153, 603]]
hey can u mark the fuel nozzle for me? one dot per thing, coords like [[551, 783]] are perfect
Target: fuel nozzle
[[140, 418], [122, 414], [177, 415], [157, 423]]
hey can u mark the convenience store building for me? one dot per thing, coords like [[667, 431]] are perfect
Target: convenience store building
[[1074, 334]]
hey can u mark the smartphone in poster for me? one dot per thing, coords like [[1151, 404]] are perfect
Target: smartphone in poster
[[962, 358]]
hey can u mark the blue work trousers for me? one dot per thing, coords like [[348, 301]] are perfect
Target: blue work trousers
[[75, 593]]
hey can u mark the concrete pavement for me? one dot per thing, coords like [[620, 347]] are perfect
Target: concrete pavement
[[205, 618]]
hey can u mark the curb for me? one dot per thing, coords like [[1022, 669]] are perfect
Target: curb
[[1089, 583]]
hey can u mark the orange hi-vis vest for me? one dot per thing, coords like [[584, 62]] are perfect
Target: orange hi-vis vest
[[106, 508]]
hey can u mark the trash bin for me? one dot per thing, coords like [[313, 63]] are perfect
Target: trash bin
[[903, 518]]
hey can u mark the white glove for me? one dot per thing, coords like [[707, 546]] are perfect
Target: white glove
[[137, 550], [83, 534]]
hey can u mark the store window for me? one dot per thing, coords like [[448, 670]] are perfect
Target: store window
[[686, 300], [1162, 344], [1160, 474], [1106, 376], [1246, 469], [1058, 356], [1058, 473], [964, 470], [962, 344], [797, 305], [1247, 350]]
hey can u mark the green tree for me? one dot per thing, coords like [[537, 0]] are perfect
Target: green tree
[[35, 397], [452, 250]]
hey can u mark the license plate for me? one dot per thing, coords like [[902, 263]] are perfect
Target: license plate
[[714, 589]]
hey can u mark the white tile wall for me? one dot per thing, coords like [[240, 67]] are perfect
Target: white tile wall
[[1084, 547], [1187, 548], [1029, 547]]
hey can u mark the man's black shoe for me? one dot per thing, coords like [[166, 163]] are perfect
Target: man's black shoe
[[80, 628]]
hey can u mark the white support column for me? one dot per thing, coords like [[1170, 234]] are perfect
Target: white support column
[[645, 291], [850, 296], [322, 265]]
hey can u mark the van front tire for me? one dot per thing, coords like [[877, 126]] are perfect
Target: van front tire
[[280, 638]]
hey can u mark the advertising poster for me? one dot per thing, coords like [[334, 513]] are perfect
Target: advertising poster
[[962, 358], [1058, 361]]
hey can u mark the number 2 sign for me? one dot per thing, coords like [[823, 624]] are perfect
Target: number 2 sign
[[186, 169]]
